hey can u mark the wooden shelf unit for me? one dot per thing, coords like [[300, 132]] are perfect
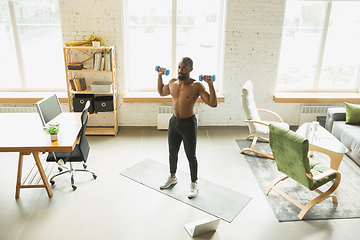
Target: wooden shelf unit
[[91, 130], [87, 70], [89, 91], [101, 131]]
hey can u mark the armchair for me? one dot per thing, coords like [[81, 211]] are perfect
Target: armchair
[[258, 128], [79, 154], [290, 151]]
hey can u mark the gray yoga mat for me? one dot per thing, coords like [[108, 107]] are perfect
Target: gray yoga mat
[[213, 199]]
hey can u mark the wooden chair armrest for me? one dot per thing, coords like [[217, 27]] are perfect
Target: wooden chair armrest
[[254, 121], [322, 175], [271, 112]]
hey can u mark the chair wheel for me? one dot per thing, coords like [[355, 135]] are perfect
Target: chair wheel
[[60, 169], [94, 176], [52, 182], [74, 187], [85, 166]]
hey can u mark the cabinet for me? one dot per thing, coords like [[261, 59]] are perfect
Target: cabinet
[[85, 55]]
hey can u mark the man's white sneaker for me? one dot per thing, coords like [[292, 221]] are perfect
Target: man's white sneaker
[[193, 190], [170, 181]]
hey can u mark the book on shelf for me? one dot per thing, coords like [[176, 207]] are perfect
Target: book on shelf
[[107, 57], [72, 84], [78, 84], [102, 64], [75, 66], [97, 61], [82, 84]]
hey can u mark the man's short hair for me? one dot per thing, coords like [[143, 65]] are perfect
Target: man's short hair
[[189, 60]]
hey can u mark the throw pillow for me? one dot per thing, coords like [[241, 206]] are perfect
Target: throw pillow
[[352, 113]]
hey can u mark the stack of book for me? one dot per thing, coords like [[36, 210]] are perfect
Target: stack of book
[[78, 84], [102, 61], [75, 66]]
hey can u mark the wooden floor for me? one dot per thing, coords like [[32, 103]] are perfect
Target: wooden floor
[[115, 207]]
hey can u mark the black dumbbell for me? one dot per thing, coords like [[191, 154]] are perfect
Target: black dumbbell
[[212, 78], [166, 72]]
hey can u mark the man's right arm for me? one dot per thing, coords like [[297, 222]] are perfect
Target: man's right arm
[[163, 90]]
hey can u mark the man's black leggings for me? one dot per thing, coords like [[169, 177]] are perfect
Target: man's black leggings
[[183, 130]]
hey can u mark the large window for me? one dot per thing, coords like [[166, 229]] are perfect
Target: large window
[[31, 56], [161, 32], [320, 48]]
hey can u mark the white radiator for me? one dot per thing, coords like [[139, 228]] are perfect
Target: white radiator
[[164, 114], [18, 110], [309, 113]]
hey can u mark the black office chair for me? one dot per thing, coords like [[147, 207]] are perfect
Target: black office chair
[[79, 154]]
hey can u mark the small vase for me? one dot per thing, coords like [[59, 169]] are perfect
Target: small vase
[[53, 137], [96, 43]]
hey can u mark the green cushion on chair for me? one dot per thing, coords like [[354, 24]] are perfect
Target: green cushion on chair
[[290, 151], [318, 168]]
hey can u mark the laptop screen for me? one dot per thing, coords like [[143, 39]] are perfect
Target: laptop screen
[[48, 109], [202, 226]]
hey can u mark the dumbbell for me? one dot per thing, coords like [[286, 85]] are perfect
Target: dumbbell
[[212, 78], [166, 72]]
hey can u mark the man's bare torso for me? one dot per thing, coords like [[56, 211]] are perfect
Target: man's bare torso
[[184, 95]]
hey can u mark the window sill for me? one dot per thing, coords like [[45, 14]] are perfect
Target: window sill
[[315, 97], [154, 97], [30, 97]]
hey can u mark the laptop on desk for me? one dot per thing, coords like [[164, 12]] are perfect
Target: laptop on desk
[[49, 109], [201, 227]]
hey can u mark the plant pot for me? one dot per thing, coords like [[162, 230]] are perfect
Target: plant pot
[[53, 137], [96, 43]]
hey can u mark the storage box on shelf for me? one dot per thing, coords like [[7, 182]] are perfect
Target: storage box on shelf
[[103, 104], [103, 91], [79, 101], [101, 86]]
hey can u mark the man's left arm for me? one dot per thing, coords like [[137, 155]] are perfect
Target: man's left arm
[[209, 99]]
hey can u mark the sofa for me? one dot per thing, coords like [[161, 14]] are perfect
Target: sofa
[[348, 134]]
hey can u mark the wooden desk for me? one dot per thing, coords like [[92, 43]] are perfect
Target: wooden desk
[[24, 133]]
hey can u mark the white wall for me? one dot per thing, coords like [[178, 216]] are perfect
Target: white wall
[[252, 47]]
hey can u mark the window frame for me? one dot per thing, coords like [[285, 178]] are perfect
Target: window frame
[[19, 57], [174, 61], [316, 82]]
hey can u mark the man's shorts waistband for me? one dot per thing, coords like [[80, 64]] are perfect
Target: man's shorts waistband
[[185, 119]]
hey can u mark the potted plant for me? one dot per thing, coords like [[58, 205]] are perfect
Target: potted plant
[[53, 131]]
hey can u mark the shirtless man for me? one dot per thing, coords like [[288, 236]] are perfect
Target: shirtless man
[[183, 125]]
